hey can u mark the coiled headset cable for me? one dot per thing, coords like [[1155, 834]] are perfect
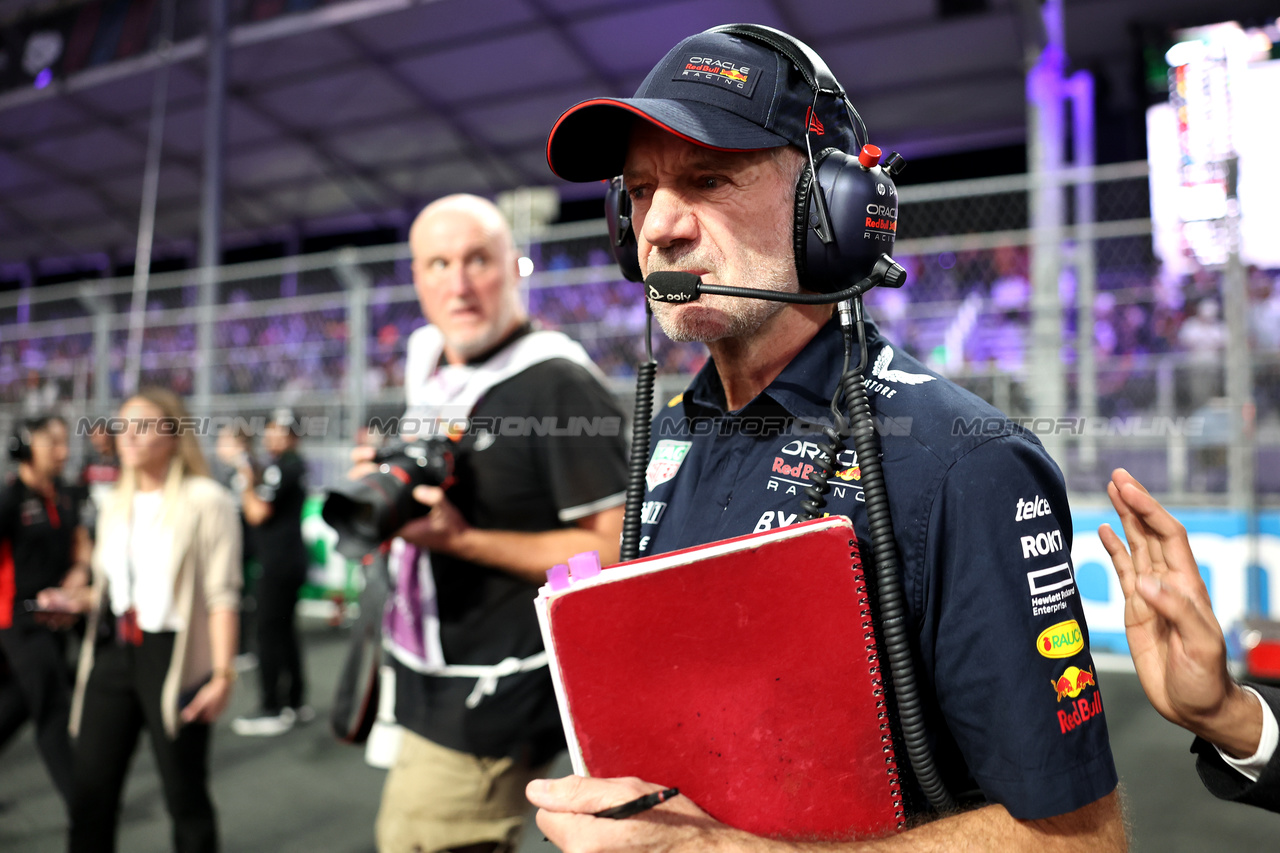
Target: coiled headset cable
[[860, 426]]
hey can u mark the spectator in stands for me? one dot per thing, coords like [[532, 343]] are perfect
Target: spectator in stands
[[1204, 337], [161, 637], [39, 397]]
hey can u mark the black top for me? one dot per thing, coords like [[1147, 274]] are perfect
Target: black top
[[278, 539], [544, 449], [36, 540], [1224, 782], [980, 516]]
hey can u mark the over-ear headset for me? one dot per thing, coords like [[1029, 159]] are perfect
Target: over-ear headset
[[20, 441], [842, 224]]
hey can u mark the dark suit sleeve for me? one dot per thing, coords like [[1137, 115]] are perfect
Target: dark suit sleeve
[[1225, 783]]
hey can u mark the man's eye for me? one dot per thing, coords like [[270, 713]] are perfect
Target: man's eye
[[710, 182], [437, 264], [637, 193]]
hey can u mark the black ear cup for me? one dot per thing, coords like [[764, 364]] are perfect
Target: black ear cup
[[20, 445], [862, 205], [800, 217], [622, 237]]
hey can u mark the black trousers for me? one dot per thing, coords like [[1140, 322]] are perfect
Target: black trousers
[[121, 699], [279, 652], [38, 688]]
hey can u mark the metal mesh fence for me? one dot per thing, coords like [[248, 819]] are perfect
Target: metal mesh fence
[[1142, 352]]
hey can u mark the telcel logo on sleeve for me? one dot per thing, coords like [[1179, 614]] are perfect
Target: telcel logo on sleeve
[[1061, 640]]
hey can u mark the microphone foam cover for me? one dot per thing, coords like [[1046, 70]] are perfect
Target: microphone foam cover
[[672, 286]]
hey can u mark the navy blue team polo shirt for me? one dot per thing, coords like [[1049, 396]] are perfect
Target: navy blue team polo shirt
[[983, 531]]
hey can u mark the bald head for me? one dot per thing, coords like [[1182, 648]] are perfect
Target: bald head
[[466, 274], [480, 210]]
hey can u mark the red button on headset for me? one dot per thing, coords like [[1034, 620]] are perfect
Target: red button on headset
[[869, 156]]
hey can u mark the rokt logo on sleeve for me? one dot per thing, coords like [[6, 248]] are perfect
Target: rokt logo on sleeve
[[1042, 544]]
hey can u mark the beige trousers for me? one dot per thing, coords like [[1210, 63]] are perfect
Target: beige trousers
[[438, 799]]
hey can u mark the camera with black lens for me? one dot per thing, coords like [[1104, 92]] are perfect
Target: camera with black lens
[[368, 511]]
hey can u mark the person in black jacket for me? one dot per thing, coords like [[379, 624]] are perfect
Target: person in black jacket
[[271, 502], [41, 545], [1181, 657]]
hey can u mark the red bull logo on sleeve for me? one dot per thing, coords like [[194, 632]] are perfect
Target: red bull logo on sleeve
[[1072, 681], [1079, 711]]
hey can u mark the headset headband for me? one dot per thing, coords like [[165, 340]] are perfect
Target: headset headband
[[806, 60]]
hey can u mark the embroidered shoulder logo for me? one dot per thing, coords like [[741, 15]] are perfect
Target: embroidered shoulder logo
[[881, 370]]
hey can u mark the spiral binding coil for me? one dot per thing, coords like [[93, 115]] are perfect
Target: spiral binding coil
[[877, 688]]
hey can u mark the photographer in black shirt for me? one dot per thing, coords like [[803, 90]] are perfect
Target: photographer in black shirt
[[41, 545], [272, 505]]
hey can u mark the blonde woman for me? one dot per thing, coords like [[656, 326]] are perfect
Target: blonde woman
[[162, 629]]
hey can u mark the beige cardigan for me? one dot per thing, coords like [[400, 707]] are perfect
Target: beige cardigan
[[206, 576]]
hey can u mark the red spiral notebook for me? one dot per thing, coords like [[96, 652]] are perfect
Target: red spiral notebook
[[743, 672]]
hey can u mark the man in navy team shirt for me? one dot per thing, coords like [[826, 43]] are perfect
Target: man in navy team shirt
[[983, 530]]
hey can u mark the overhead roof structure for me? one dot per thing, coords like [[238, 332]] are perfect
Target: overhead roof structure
[[351, 113]]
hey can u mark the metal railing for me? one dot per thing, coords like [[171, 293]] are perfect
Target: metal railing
[[326, 333]]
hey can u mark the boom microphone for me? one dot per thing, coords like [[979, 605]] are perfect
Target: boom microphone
[[680, 287]]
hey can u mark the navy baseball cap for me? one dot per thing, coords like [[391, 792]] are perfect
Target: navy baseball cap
[[714, 89]]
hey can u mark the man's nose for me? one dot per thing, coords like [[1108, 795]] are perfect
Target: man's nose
[[669, 219], [455, 281]]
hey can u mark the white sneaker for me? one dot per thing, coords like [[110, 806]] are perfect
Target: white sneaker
[[265, 723]]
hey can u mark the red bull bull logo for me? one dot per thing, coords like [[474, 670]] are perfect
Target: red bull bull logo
[[850, 474], [1072, 681], [1077, 712]]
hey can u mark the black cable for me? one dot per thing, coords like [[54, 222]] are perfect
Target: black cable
[[641, 427], [861, 427], [889, 596], [783, 296]]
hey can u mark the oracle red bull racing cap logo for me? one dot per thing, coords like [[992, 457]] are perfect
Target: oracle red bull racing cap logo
[[717, 70]]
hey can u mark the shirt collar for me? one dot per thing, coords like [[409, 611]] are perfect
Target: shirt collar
[[805, 385]]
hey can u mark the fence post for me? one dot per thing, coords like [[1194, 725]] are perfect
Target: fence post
[[101, 310], [1080, 88], [356, 281], [1239, 373], [1045, 125], [215, 120]]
